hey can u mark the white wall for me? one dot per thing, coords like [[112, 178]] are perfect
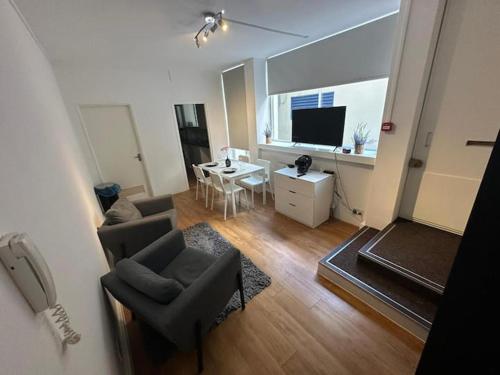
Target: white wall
[[151, 92], [257, 103], [407, 89], [45, 190]]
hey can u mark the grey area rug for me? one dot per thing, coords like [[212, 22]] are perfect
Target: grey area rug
[[202, 236]]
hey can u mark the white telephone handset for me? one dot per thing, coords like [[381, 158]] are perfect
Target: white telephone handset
[[32, 276], [29, 270]]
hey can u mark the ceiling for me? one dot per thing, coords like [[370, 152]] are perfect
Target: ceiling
[[160, 32]]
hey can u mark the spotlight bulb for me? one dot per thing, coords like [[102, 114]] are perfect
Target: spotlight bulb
[[224, 26], [205, 39]]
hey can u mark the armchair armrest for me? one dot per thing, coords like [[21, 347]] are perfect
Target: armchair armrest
[[126, 239], [155, 205], [160, 253]]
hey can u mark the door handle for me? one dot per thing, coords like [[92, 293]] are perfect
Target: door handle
[[138, 156], [480, 143], [415, 163], [428, 139]]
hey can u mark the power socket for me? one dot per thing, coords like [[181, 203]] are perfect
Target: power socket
[[355, 211]]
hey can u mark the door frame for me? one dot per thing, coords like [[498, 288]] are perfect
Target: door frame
[[149, 189], [178, 136]]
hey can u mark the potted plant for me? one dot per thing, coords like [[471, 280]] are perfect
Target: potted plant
[[360, 137], [268, 133]]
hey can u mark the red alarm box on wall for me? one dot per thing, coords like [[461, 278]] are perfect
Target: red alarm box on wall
[[387, 126]]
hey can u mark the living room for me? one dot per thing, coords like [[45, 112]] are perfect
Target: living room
[[246, 187]]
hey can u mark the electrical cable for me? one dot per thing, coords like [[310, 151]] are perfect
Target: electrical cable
[[338, 184], [62, 320]]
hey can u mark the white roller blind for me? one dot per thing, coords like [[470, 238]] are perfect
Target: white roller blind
[[359, 54], [236, 107]]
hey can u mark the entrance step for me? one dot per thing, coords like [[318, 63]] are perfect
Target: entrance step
[[417, 252]]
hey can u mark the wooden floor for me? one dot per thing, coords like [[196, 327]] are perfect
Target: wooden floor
[[300, 324]]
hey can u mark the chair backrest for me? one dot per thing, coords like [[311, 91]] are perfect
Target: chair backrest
[[244, 158], [266, 164], [217, 181], [198, 172]]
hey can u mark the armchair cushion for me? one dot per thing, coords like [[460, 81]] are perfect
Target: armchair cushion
[[188, 266], [122, 211], [162, 290], [155, 205]]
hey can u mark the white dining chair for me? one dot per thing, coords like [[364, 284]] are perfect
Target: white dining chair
[[202, 180], [244, 158], [227, 190], [256, 179]]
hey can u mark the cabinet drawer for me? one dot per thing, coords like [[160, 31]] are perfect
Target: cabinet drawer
[[294, 185], [295, 205]]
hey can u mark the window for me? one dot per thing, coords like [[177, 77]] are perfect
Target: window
[[364, 101]]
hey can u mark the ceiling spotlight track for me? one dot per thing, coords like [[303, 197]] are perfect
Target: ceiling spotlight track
[[215, 20], [267, 28], [212, 22]]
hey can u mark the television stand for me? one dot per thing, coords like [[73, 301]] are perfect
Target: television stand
[[306, 198]]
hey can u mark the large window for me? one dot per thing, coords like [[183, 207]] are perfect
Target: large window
[[364, 102]]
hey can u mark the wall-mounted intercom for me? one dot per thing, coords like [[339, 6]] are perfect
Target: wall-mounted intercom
[[32, 276]]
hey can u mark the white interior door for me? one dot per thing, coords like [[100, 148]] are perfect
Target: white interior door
[[462, 103], [113, 140]]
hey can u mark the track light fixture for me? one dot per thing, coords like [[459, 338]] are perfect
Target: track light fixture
[[212, 22]]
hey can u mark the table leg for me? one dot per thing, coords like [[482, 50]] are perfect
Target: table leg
[[264, 188], [233, 185]]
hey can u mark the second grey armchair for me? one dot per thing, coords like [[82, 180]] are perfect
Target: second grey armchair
[[125, 239], [208, 283]]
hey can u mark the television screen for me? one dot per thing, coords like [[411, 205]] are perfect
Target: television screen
[[318, 126]]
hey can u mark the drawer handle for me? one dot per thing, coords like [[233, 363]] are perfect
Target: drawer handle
[[291, 204], [293, 192]]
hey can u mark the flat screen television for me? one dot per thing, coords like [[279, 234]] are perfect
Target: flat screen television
[[319, 126]]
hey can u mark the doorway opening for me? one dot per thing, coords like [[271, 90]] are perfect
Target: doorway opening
[[112, 139], [192, 125]]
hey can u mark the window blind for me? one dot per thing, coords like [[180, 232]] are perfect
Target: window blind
[[359, 54], [305, 101], [327, 99]]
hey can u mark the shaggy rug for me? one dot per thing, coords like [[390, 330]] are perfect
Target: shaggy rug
[[202, 236]]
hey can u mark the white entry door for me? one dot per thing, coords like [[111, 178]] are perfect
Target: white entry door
[[462, 104], [112, 137]]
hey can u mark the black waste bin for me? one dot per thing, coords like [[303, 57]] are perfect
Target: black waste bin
[[107, 194]]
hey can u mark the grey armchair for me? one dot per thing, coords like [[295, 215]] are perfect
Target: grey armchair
[[209, 282], [126, 239]]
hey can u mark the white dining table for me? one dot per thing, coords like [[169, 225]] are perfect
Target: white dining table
[[243, 169]]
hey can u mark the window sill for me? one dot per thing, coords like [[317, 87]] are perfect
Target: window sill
[[322, 152]]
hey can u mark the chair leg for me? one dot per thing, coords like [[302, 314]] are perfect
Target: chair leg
[[206, 196], [246, 200], [242, 292], [253, 204], [197, 185], [213, 195], [271, 188], [225, 206], [199, 347]]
